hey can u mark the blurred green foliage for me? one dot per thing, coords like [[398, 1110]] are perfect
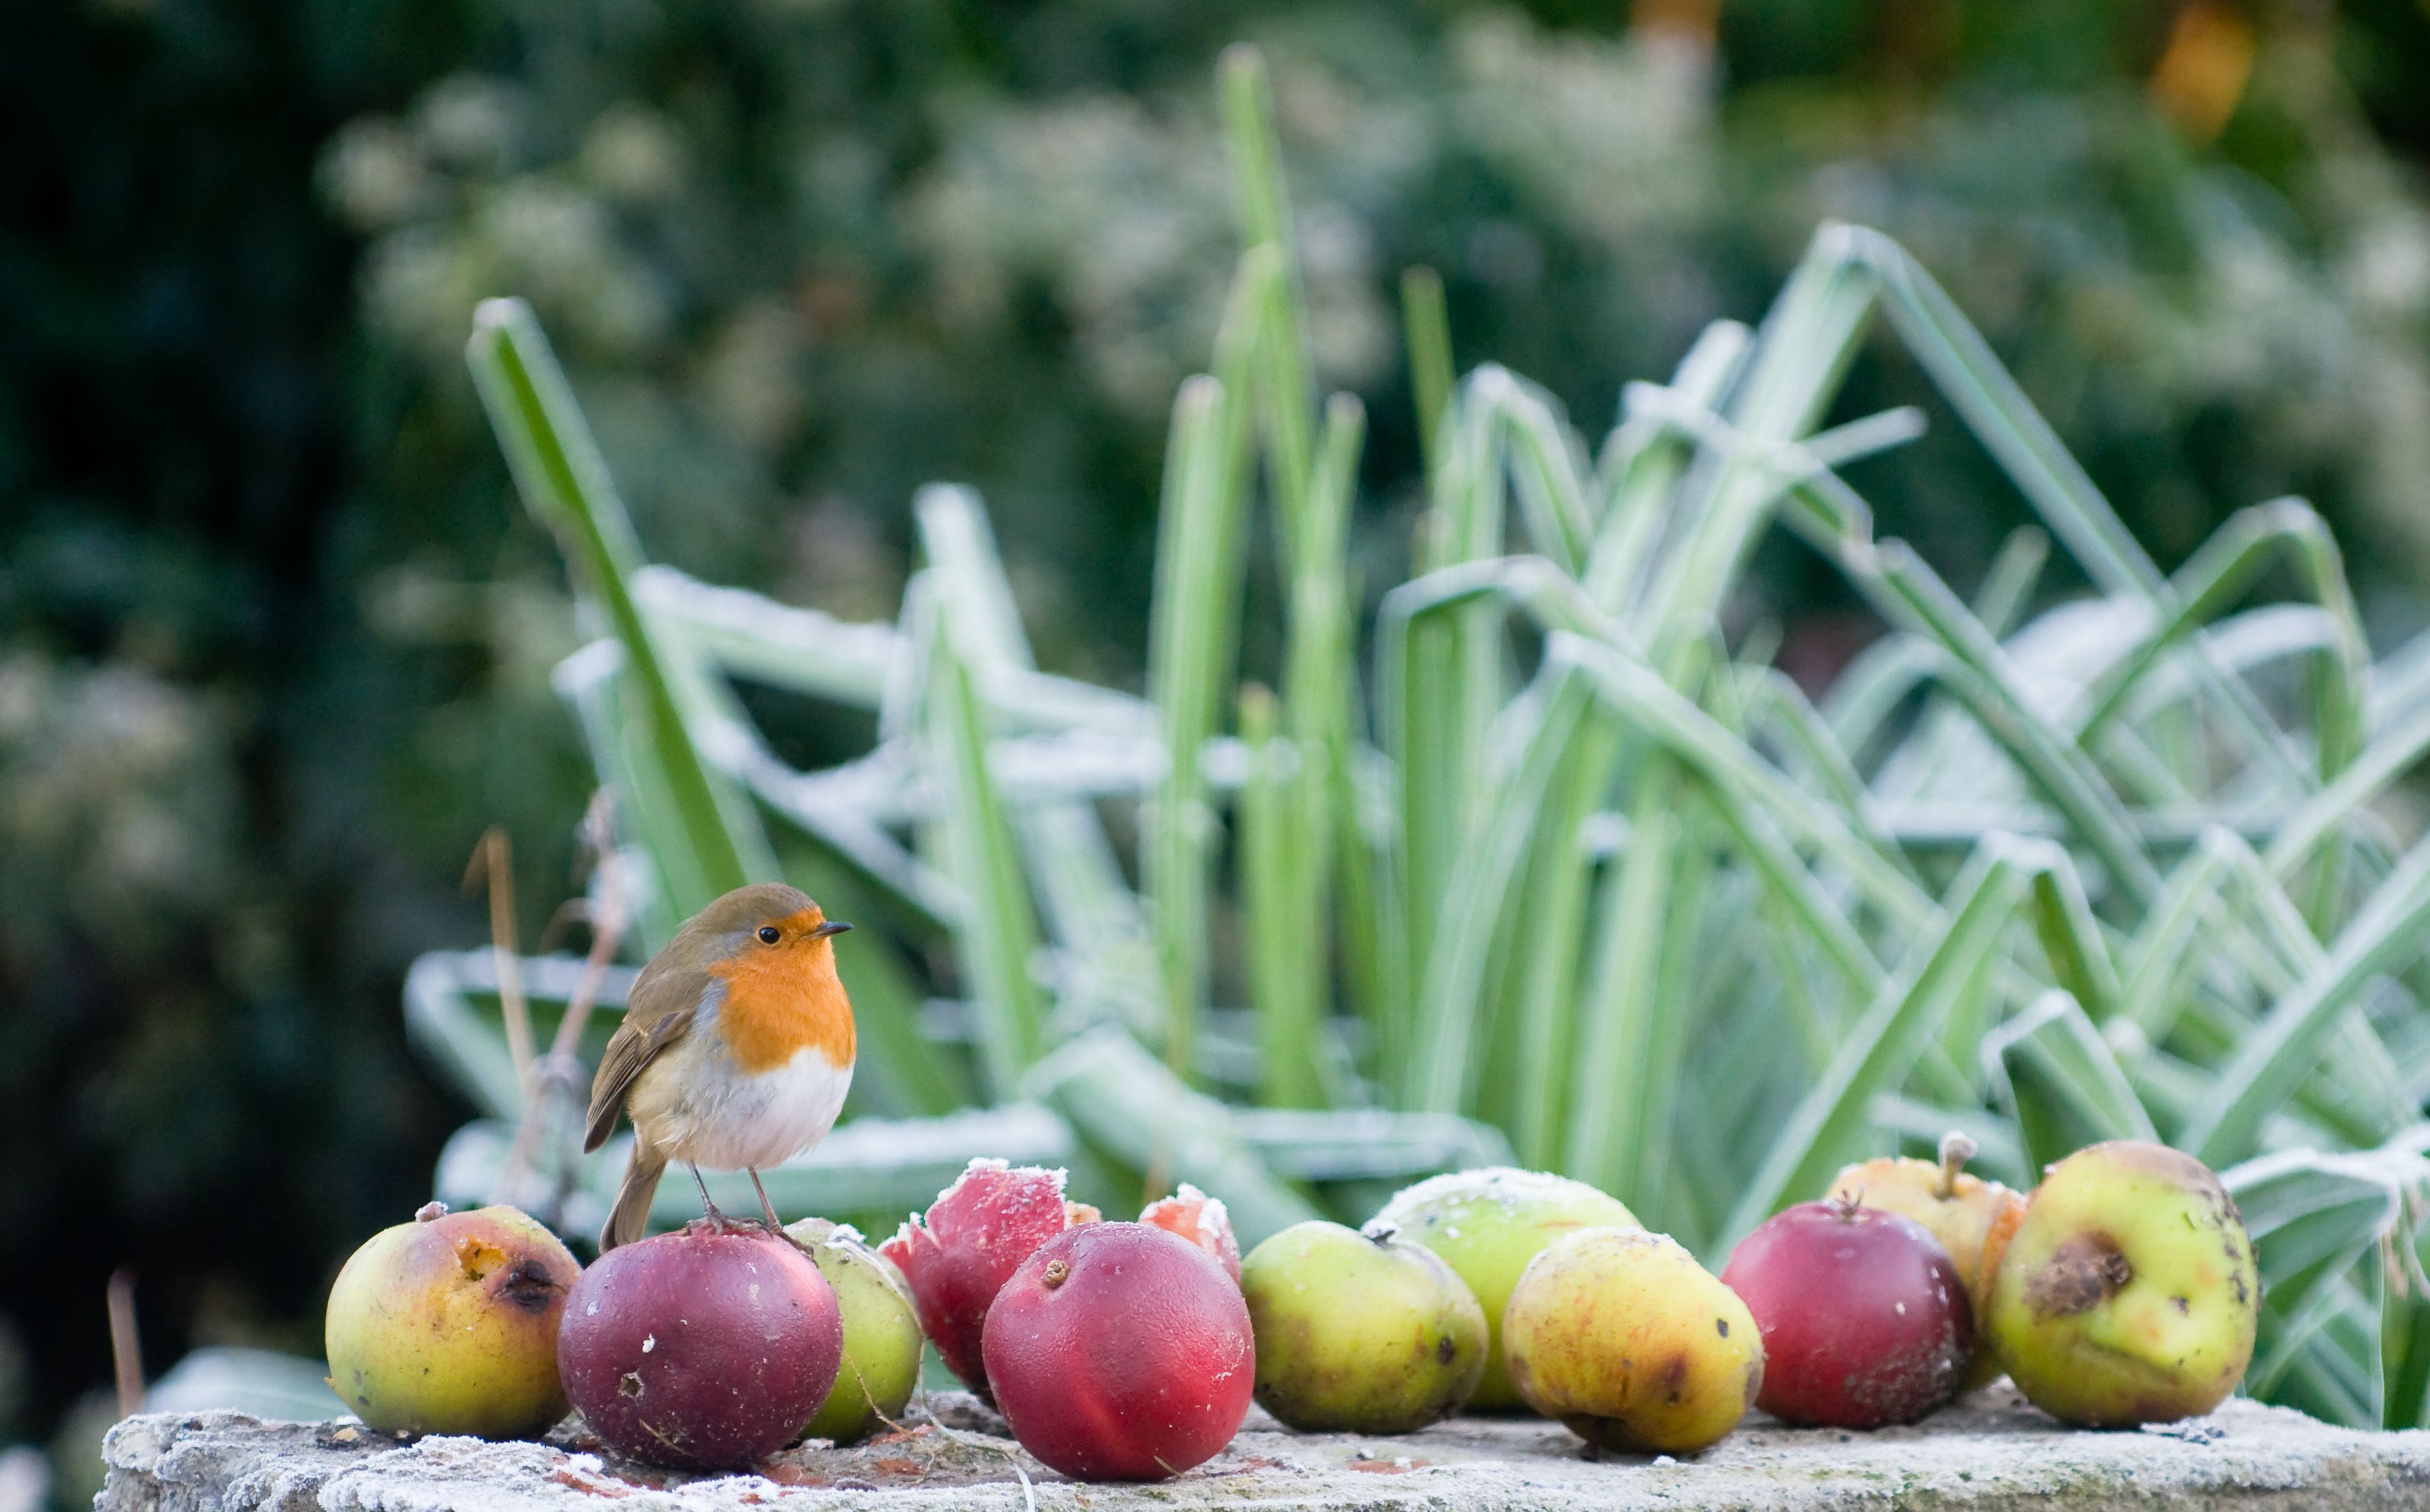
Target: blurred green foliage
[[274, 640]]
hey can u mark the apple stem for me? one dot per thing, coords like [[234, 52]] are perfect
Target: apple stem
[[1055, 1274], [1956, 1149]]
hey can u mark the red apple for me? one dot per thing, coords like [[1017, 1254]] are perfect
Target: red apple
[[705, 1349], [1121, 1353], [1864, 1320], [958, 1256]]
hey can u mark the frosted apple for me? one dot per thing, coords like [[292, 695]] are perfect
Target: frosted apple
[[1488, 1225]]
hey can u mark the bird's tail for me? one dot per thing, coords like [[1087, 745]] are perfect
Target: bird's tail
[[630, 1218]]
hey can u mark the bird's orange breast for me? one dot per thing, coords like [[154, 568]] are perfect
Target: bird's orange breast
[[782, 1001]]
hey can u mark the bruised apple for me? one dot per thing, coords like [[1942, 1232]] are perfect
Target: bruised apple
[[1631, 1343], [448, 1324], [2126, 1291]]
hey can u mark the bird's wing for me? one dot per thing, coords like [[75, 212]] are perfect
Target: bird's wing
[[657, 1015]]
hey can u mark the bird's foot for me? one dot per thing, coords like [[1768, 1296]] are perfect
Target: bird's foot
[[713, 1218], [716, 1221]]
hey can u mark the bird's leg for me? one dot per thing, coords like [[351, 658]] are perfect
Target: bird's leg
[[708, 1206], [765, 1206]]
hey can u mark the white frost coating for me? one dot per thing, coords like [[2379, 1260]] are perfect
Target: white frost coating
[[1507, 1186], [1213, 1217]]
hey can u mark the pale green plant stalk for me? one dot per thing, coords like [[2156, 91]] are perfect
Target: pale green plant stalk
[[1426, 331], [1302, 810], [1190, 660], [1436, 712], [1285, 389], [1284, 965], [707, 841], [995, 934]]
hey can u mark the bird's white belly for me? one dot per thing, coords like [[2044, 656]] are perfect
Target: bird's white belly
[[731, 1121]]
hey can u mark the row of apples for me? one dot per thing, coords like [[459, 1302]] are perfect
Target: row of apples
[[2122, 1290]]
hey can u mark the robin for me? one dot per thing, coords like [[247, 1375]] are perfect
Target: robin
[[735, 1052]]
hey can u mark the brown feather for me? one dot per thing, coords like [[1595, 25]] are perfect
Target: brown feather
[[629, 1052]]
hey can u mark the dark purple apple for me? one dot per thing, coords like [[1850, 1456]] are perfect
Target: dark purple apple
[[705, 1349]]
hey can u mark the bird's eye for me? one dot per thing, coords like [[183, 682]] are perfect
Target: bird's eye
[[768, 934]]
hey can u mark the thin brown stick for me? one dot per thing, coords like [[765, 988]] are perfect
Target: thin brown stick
[[1013, 1452], [560, 1076], [495, 854], [126, 1345]]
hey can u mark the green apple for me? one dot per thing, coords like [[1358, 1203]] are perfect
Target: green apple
[[1488, 1225], [1360, 1332], [881, 1333]]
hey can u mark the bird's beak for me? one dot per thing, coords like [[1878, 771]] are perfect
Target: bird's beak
[[833, 926]]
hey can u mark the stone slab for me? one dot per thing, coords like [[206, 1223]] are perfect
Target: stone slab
[[1991, 1451]]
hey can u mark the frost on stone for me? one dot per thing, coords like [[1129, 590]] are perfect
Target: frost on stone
[[1989, 1451]]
